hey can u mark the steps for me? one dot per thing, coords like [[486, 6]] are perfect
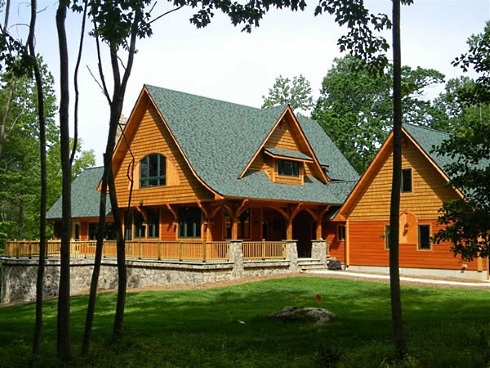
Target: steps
[[312, 264]]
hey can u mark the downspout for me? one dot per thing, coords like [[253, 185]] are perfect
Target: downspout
[[347, 244]]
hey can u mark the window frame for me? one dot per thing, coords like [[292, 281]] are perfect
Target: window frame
[[244, 221], [139, 225], [341, 232], [387, 237], [406, 186], [153, 223], [290, 168], [190, 222], [424, 244], [149, 163]]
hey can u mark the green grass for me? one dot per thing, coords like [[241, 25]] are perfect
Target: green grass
[[202, 328]]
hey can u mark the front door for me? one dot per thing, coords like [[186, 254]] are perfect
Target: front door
[[303, 225]]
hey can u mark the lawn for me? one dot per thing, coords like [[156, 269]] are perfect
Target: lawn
[[230, 327]]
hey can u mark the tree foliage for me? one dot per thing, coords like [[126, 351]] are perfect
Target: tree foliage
[[467, 219], [295, 92], [19, 163], [355, 106]]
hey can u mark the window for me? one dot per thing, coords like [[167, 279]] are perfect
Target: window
[[189, 222], [93, 230], [152, 171], [406, 184], [139, 225], [128, 225], [387, 236], [243, 225], [424, 237], [341, 232], [288, 168], [153, 223]]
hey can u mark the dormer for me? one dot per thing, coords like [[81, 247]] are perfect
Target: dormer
[[288, 167], [286, 155]]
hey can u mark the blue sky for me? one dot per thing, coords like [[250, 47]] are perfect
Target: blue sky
[[223, 63]]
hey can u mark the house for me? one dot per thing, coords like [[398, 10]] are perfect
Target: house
[[362, 222], [190, 167], [208, 190]]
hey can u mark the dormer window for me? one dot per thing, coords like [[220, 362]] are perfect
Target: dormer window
[[288, 168], [152, 171]]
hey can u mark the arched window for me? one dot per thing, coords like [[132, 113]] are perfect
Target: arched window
[[152, 171]]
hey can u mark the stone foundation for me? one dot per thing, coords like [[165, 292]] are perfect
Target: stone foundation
[[19, 275]]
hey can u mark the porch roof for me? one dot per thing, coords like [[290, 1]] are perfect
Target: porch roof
[[85, 196]]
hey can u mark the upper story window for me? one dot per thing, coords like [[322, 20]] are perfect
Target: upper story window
[[288, 168], [406, 184], [152, 170]]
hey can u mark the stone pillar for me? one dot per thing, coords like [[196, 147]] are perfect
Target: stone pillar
[[319, 250], [292, 255], [236, 256]]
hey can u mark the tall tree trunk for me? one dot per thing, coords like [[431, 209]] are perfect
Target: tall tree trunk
[[36, 347], [116, 108], [396, 304], [64, 329]]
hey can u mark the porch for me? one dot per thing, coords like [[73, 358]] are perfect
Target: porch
[[151, 264]]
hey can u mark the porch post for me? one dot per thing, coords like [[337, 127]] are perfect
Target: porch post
[[289, 230], [236, 257], [292, 254], [234, 227], [319, 250]]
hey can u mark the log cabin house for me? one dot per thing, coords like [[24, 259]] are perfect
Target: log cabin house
[[191, 168], [361, 241]]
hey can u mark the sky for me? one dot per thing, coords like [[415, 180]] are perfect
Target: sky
[[224, 63]]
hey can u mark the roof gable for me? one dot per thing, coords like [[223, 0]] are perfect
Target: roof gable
[[287, 139], [422, 138]]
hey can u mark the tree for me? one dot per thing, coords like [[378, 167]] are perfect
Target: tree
[[296, 93], [355, 106], [394, 240], [467, 219], [64, 349], [20, 180]]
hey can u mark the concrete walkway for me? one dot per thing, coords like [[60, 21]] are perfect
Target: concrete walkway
[[429, 281]]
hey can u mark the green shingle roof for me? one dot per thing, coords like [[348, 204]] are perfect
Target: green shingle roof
[[428, 139], [288, 153], [85, 196], [219, 139]]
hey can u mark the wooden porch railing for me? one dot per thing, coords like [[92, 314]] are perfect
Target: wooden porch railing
[[141, 249], [152, 249], [264, 250]]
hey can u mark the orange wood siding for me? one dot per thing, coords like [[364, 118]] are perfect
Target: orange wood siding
[[428, 190], [168, 229], [336, 246], [282, 138], [367, 248], [182, 187]]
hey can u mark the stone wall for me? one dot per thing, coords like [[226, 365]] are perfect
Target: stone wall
[[19, 275]]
